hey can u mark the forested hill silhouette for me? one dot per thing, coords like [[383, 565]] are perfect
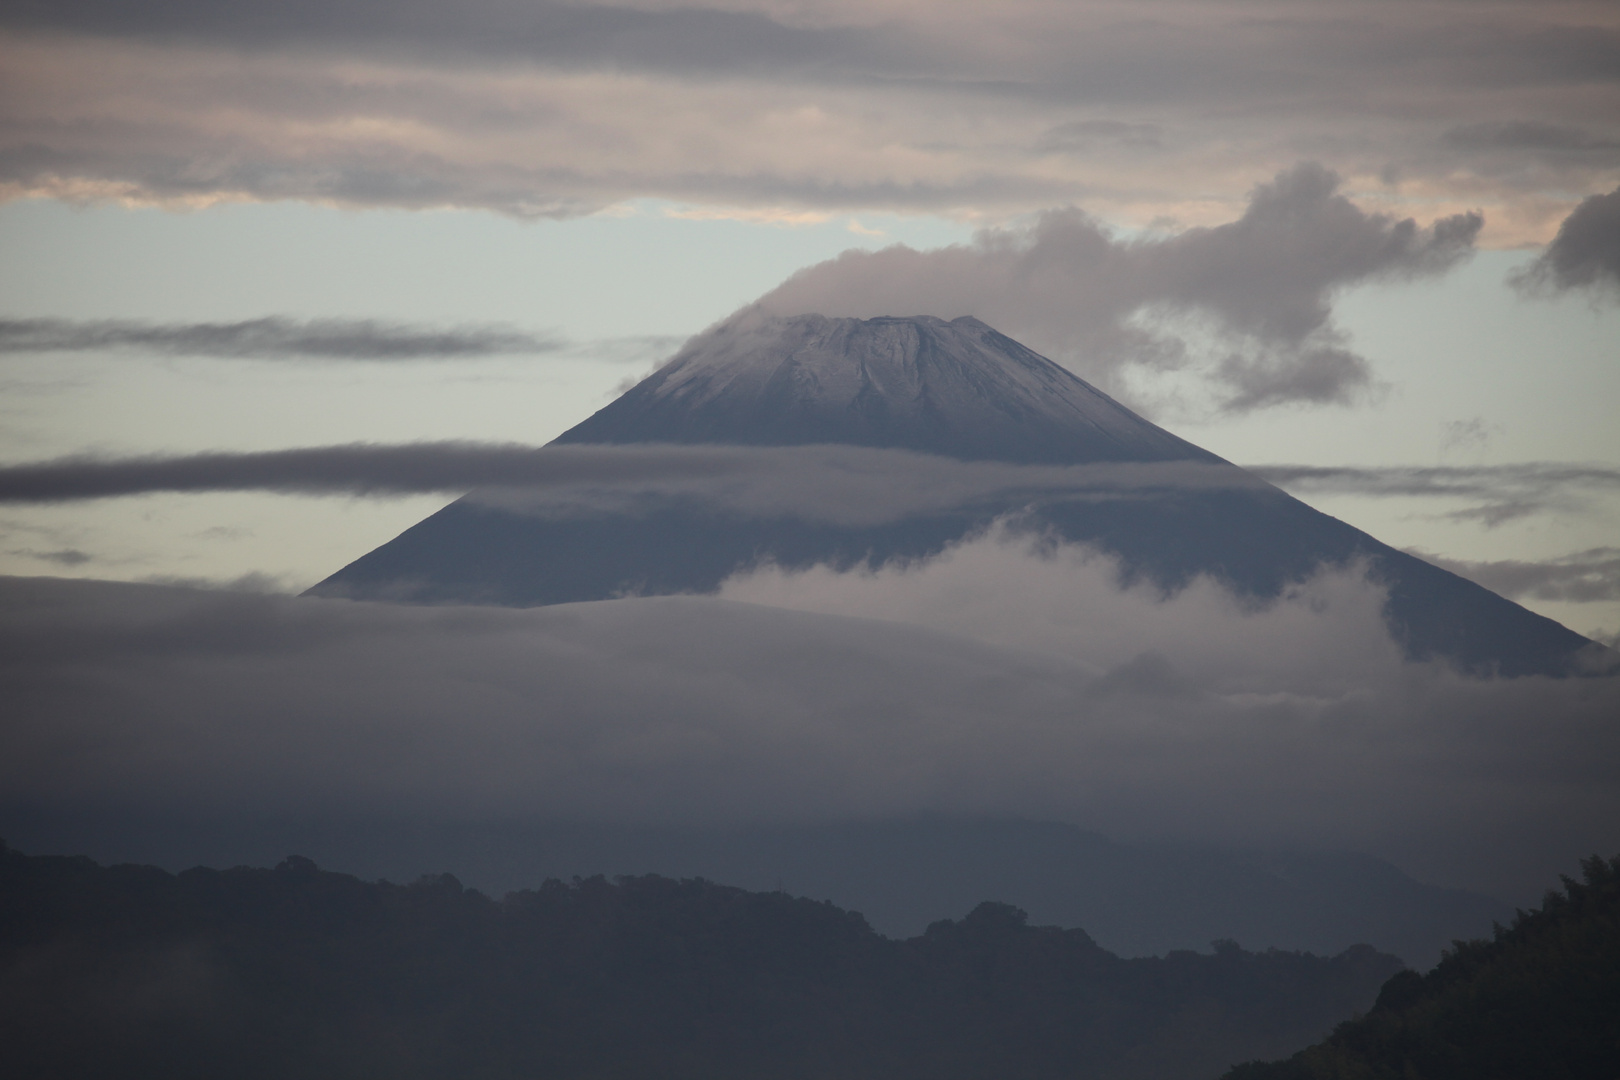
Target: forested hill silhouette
[[129, 971], [1541, 999]]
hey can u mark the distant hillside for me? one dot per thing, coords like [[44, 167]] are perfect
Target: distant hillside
[[1541, 1000], [129, 971]]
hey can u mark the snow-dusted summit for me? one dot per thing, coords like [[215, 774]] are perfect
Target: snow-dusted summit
[[954, 388], [957, 388]]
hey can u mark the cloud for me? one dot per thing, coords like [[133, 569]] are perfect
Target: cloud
[[354, 469], [1504, 492], [1001, 680], [1581, 577], [681, 39], [251, 582], [271, 338], [1158, 110], [1472, 435], [849, 485], [1065, 601], [1535, 136], [844, 484], [1586, 252], [1080, 136], [1261, 288], [1085, 54], [62, 557]]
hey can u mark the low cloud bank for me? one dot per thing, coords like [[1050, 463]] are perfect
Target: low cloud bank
[[1257, 292], [1067, 602], [1002, 679], [272, 338]]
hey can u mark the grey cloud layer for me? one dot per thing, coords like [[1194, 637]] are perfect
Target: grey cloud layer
[[274, 337], [682, 39], [1263, 284], [697, 710], [1586, 252], [558, 109], [1091, 52]]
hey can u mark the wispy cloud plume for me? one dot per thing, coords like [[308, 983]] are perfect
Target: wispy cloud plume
[[1260, 287], [844, 484], [1584, 255]]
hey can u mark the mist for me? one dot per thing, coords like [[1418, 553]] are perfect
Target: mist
[[1009, 677]]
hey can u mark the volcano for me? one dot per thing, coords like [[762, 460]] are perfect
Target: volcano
[[956, 390]]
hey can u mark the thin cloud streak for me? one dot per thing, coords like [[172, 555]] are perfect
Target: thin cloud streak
[[1506, 492], [843, 484], [1581, 577], [273, 338], [849, 484]]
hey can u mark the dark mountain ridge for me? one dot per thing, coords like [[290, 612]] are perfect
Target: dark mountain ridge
[[128, 971], [902, 875], [1539, 998], [956, 389]]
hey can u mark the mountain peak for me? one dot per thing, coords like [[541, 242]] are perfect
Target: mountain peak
[[956, 387]]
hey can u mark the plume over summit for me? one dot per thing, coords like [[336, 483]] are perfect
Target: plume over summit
[[957, 391]]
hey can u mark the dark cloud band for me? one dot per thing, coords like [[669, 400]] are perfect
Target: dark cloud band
[[687, 38], [355, 469], [848, 484], [845, 484], [1232, 54], [1060, 102], [272, 338]]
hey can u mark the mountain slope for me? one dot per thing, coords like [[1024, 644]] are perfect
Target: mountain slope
[[957, 389]]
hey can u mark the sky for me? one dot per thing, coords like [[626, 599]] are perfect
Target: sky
[[1372, 247]]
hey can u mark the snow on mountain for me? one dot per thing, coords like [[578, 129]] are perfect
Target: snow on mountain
[[954, 389], [957, 388]]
